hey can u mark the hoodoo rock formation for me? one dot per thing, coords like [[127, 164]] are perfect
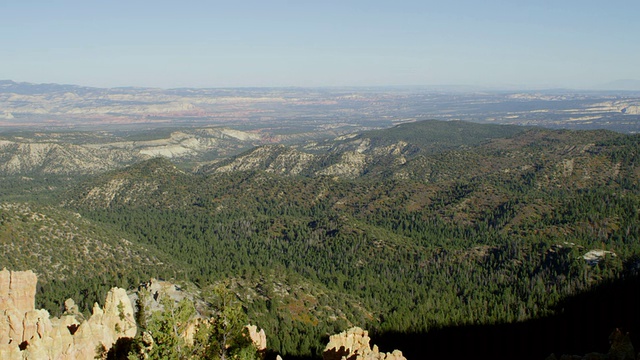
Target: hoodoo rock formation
[[17, 290], [258, 338], [353, 344], [27, 333]]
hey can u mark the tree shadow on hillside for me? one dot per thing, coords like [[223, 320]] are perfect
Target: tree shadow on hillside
[[582, 325]]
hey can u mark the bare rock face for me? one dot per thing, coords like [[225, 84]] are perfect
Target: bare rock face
[[350, 166], [155, 289], [258, 338], [27, 333], [17, 290], [353, 344]]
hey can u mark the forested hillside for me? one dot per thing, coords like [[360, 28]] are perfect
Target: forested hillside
[[73, 255], [410, 229], [486, 231]]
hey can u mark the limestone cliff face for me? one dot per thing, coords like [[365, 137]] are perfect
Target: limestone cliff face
[[27, 333], [17, 290], [353, 344]]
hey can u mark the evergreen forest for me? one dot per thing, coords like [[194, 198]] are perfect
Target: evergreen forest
[[446, 225]]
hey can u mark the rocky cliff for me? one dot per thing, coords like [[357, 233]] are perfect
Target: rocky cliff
[[353, 344], [27, 333]]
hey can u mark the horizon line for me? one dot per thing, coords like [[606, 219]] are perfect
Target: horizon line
[[606, 87]]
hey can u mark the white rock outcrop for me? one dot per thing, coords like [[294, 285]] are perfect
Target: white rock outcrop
[[353, 344], [594, 256], [258, 338], [27, 333]]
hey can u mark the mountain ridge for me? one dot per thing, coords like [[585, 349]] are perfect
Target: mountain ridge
[[468, 230]]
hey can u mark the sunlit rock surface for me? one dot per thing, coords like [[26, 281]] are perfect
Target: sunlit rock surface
[[27, 333]]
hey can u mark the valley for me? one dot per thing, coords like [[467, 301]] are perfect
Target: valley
[[350, 217], [281, 114]]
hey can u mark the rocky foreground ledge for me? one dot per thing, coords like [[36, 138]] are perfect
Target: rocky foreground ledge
[[27, 333], [30, 334]]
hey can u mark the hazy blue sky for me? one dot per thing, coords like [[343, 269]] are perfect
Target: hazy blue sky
[[212, 43]]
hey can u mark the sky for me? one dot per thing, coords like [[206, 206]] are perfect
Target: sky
[[167, 44]]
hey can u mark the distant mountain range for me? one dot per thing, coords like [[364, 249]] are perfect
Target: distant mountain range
[[623, 84]]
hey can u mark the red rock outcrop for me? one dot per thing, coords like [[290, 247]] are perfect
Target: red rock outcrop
[[27, 333]]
